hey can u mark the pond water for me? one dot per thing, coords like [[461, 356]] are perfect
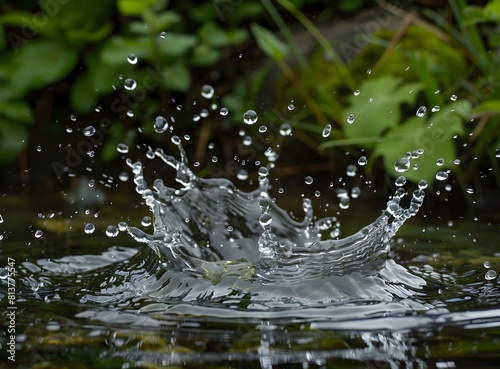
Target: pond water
[[205, 275]]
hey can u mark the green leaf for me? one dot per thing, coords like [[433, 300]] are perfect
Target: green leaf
[[204, 55], [118, 48], [18, 111], [176, 44], [373, 117], [13, 138], [213, 35], [434, 135], [490, 106], [272, 46], [133, 8], [176, 77], [473, 14], [40, 63]]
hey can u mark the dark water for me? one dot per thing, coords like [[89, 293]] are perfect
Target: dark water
[[217, 277]]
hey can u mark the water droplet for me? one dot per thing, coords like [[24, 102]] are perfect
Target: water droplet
[[440, 162], [262, 129], [421, 111], [355, 192], [215, 159], [122, 148], [132, 59], [457, 162], [362, 161], [163, 34], [146, 221], [441, 175], [351, 170], [123, 176], [344, 203], [72, 117], [317, 193], [309, 180], [265, 219], [160, 124], [122, 226], [1, 218], [242, 175], [487, 264], [285, 129], [89, 131], [490, 275], [402, 165], [130, 84], [39, 148], [263, 171], [112, 231], [356, 93], [422, 184], [453, 97], [470, 191], [247, 140], [89, 228], [92, 183], [223, 111], [250, 117], [435, 109], [400, 181], [350, 119], [327, 130], [207, 91], [291, 107], [38, 233]]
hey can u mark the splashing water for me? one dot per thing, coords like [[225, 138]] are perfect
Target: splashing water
[[218, 245]]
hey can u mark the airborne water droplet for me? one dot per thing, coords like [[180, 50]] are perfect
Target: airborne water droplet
[[490, 275], [291, 107], [402, 165], [421, 111], [309, 180], [351, 170], [160, 124], [400, 181], [89, 131], [122, 148], [38, 234], [89, 228], [132, 59], [350, 119], [285, 129], [242, 175], [441, 175], [262, 129], [224, 111], [362, 160], [130, 84], [250, 117], [207, 91], [112, 231], [146, 221], [327, 130]]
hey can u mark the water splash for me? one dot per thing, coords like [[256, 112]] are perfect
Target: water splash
[[215, 243]]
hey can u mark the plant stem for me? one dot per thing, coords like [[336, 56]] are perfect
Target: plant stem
[[324, 43]]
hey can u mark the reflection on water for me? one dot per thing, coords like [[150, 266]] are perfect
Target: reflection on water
[[228, 278]]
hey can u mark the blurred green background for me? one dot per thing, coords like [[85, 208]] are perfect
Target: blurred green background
[[416, 84]]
